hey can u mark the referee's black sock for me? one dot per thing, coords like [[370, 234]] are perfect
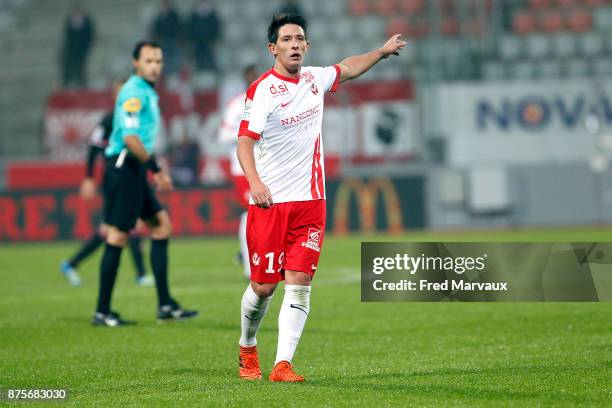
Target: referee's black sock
[[86, 249], [136, 249], [159, 264], [108, 274]]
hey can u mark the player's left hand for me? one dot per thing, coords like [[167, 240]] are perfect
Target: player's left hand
[[393, 46], [163, 181]]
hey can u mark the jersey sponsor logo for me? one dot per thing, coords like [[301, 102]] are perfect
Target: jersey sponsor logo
[[300, 117], [132, 105], [255, 259], [313, 239], [278, 89], [284, 104], [314, 89]]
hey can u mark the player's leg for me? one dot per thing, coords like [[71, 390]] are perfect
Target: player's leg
[[68, 267], [265, 260], [303, 251], [161, 229], [121, 204], [244, 250]]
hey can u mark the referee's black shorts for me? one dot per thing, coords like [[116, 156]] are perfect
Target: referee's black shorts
[[127, 194]]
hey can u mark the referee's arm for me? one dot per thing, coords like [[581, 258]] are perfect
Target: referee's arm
[[161, 178]]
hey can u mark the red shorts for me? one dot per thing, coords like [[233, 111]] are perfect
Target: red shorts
[[286, 236], [241, 189]]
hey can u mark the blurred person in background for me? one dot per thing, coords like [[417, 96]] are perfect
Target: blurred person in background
[[79, 37], [167, 30], [228, 133], [204, 32], [184, 158], [128, 195], [97, 143]]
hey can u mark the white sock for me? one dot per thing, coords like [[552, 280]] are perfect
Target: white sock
[[244, 249], [252, 311], [291, 320]]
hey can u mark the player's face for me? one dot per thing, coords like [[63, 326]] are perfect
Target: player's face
[[290, 47], [150, 63]]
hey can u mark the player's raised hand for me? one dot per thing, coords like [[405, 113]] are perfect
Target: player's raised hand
[[88, 189], [261, 194], [163, 181], [393, 46]]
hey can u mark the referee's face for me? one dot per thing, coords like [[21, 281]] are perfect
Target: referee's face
[[150, 63]]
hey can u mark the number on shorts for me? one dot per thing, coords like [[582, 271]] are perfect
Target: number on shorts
[[281, 259]]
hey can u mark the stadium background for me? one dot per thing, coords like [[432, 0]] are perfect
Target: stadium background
[[495, 120]]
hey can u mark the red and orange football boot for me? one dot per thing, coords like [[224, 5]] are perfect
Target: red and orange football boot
[[249, 363], [283, 372]]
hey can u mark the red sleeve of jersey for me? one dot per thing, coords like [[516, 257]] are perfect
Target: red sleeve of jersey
[[244, 131], [337, 80]]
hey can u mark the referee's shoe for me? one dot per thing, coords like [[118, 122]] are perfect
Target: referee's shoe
[[174, 312]]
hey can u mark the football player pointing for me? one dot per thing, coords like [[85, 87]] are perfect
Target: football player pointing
[[286, 217]]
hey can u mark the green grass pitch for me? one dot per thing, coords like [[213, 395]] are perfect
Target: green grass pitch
[[352, 353]]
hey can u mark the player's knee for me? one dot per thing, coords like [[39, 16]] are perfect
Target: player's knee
[[263, 290], [116, 237], [297, 278]]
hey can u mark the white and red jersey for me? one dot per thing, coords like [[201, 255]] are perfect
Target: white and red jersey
[[229, 129], [285, 116]]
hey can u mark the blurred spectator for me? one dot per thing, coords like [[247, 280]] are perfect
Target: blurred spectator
[[184, 159], [290, 7], [78, 39], [166, 30], [204, 31]]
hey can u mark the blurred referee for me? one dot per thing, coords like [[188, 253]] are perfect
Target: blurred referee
[[127, 194]]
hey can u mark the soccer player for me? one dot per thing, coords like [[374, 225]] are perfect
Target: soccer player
[[286, 219], [227, 134], [97, 143], [127, 193]]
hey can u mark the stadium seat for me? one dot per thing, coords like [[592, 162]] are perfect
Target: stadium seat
[[449, 26], [474, 27], [539, 4], [523, 22], [398, 25], [602, 68], [591, 44], [326, 8], [577, 68], [550, 68], [579, 21], [603, 18], [593, 3], [524, 69], [566, 3], [411, 7], [511, 47], [551, 21], [384, 7], [358, 7], [371, 27], [538, 46], [493, 70], [564, 45]]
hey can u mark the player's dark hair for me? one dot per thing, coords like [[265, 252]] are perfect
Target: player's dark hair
[[280, 20], [140, 44]]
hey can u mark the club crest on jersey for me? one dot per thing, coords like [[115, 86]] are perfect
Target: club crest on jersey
[[313, 239], [307, 76], [278, 90], [314, 89], [255, 259]]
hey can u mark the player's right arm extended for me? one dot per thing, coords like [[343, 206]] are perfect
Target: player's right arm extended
[[246, 156]]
